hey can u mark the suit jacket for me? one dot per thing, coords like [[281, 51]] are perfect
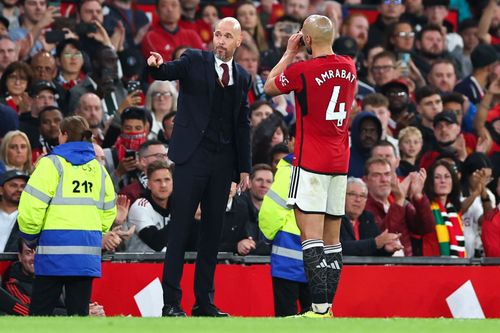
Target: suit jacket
[[366, 245], [195, 71]]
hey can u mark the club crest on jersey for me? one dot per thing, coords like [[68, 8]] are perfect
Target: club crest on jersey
[[338, 73], [283, 80]]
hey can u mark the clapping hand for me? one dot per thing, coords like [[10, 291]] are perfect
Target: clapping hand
[[122, 206]]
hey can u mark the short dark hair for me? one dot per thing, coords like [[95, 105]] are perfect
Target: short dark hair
[[134, 113], [157, 165], [385, 54], [279, 148], [258, 104], [145, 146], [453, 97], [442, 61], [260, 167], [48, 109], [375, 99], [426, 28], [71, 41], [20, 242], [168, 116], [384, 143], [424, 92], [80, 3]]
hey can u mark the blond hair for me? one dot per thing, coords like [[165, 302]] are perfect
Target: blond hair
[[28, 165]]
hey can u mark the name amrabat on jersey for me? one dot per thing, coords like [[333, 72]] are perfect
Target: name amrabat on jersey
[[337, 73]]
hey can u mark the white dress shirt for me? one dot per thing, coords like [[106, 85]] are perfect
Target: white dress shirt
[[220, 70]]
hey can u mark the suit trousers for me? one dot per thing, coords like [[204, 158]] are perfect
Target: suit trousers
[[47, 291], [205, 178]]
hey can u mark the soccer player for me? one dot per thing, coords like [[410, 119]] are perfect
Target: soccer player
[[324, 89]]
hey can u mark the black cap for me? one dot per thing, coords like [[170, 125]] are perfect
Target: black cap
[[483, 55], [395, 83], [345, 45], [448, 116], [268, 59], [12, 174], [38, 86]]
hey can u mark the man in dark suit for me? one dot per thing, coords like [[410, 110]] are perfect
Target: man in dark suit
[[210, 146]]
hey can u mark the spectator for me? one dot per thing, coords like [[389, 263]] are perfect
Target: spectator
[[37, 16], [249, 240], [366, 131], [161, 99], [210, 14], [491, 230], [150, 213], [14, 85], [390, 12], [50, 118], [384, 69], [189, 20], [89, 107], [12, 184], [456, 102], [8, 52], [296, 9], [356, 26], [449, 138], [429, 104], [20, 278], [284, 27], [484, 58], [386, 150], [277, 223], [15, 152], [166, 36], [42, 95], [401, 38], [259, 111], [400, 104], [135, 22], [387, 202], [442, 187], [253, 32], [149, 152], [103, 81], [359, 233], [121, 158], [477, 200], [415, 13], [9, 120], [469, 31], [379, 105], [410, 147], [277, 153], [269, 133], [442, 75], [10, 10], [70, 59], [429, 46]]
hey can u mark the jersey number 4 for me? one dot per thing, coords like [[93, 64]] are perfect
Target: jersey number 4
[[331, 114]]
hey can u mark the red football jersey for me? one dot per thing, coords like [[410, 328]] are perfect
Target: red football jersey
[[324, 92]]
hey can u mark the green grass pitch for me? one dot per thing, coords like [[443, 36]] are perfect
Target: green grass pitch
[[243, 325]]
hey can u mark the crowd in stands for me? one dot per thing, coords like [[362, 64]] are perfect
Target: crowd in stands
[[424, 131]]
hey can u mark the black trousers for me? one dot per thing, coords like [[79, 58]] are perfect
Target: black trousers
[[286, 295], [47, 291], [206, 179]]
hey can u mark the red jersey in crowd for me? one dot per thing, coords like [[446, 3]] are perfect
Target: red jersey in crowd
[[324, 92], [160, 40]]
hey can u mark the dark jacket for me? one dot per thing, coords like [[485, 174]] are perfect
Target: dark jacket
[[366, 245], [195, 71], [360, 155]]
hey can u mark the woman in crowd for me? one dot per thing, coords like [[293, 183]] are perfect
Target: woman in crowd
[[270, 132], [15, 152], [246, 14], [14, 84], [210, 14], [161, 99], [442, 187]]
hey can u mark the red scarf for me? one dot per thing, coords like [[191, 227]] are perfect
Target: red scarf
[[129, 141], [10, 102]]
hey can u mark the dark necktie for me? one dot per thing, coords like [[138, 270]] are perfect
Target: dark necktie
[[225, 75]]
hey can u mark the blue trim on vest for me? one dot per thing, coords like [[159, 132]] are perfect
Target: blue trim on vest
[[68, 265], [70, 238], [284, 267], [28, 237]]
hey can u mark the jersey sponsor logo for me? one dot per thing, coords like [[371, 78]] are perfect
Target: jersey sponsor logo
[[332, 74], [283, 80]]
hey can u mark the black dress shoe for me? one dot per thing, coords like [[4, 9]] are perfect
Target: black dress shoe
[[172, 311], [208, 310]]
